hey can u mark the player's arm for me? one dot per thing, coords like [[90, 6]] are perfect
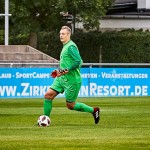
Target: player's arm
[[77, 61], [74, 53]]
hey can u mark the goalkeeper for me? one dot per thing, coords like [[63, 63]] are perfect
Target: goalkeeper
[[68, 78]]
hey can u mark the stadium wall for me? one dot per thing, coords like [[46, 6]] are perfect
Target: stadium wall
[[96, 82]]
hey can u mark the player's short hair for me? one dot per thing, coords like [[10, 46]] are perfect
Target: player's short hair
[[67, 28]]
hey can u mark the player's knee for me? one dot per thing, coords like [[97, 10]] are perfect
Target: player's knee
[[50, 95], [70, 105]]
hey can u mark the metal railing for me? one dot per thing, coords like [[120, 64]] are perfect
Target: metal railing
[[92, 65]]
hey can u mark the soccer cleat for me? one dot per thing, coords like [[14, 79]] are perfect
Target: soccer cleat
[[96, 114]]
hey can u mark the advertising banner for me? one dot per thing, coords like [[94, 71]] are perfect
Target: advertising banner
[[115, 82], [96, 82]]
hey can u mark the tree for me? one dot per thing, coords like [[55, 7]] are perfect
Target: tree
[[89, 12], [31, 16]]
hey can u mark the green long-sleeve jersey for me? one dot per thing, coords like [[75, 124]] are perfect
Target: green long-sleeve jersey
[[70, 59]]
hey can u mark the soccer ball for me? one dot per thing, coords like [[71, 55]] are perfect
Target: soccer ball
[[44, 121]]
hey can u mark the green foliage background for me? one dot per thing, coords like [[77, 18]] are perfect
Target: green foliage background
[[43, 20], [125, 46], [128, 46]]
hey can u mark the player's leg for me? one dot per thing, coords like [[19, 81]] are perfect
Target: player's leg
[[85, 108], [54, 90], [49, 96], [79, 107], [71, 95]]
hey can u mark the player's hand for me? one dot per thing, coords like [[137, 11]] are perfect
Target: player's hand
[[62, 72], [58, 73], [54, 73]]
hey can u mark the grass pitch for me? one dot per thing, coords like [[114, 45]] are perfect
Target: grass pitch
[[124, 125]]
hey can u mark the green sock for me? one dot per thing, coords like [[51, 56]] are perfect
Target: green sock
[[47, 107], [83, 107]]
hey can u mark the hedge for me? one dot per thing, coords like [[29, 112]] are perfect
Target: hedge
[[128, 46]]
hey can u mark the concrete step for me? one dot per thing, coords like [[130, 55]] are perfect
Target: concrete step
[[13, 48], [17, 49], [23, 53], [26, 61], [20, 56]]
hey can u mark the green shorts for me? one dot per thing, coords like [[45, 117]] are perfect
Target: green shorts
[[71, 90]]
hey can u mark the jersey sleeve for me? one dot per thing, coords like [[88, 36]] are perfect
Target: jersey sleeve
[[74, 53]]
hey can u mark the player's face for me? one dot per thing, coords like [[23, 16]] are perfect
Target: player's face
[[64, 36]]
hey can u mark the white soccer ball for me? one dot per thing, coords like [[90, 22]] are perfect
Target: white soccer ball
[[44, 121]]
